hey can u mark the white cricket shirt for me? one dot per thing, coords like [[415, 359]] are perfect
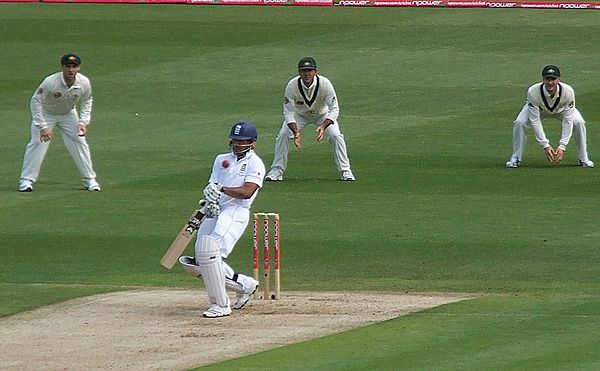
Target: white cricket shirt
[[561, 107], [230, 172], [310, 102], [55, 98]]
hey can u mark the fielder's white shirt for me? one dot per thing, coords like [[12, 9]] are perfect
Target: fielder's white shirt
[[55, 98], [310, 101], [230, 172], [561, 107]]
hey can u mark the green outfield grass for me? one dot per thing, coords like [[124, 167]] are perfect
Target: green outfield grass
[[427, 101]]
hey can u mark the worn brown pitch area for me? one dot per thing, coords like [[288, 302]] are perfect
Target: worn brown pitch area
[[164, 328]]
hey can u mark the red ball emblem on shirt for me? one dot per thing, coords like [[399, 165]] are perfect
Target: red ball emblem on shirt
[[225, 164]]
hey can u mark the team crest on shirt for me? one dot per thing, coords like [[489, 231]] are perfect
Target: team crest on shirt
[[57, 94], [300, 102]]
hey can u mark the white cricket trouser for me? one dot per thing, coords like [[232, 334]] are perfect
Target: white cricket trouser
[[78, 148], [522, 125], [226, 230], [332, 133]]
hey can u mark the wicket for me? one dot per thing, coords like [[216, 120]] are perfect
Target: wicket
[[266, 258]]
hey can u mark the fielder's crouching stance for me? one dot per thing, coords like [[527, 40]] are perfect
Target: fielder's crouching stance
[[550, 98], [233, 185]]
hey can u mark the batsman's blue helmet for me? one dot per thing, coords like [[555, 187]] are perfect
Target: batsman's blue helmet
[[243, 130]]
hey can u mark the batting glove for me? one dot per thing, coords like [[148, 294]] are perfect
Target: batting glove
[[213, 210], [203, 206], [213, 193]]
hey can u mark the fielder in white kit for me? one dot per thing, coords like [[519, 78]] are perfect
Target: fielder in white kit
[[309, 99], [53, 105], [233, 185], [554, 99]]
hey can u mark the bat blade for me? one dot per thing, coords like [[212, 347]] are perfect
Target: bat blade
[[182, 240]]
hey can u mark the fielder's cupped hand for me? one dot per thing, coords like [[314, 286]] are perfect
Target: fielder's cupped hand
[[82, 130], [297, 140], [213, 192], [321, 133], [558, 155], [46, 134], [550, 154]]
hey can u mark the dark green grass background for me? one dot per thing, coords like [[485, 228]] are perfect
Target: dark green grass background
[[427, 101]]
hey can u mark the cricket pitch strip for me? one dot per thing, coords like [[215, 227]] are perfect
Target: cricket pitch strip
[[164, 328]]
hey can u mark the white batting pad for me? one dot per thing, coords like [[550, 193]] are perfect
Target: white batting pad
[[209, 261], [231, 285], [189, 265]]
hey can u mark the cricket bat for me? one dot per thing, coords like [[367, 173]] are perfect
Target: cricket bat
[[182, 240]]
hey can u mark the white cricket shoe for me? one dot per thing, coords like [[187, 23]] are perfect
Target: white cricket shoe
[[250, 287], [513, 162], [274, 175], [588, 163], [91, 185], [25, 185], [216, 310], [348, 176]]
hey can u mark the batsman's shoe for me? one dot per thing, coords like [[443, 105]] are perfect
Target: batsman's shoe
[[588, 163], [25, 185], [92, 185], [274, 175], [216, 310], [513, 162], [249, 289], [348, 176]]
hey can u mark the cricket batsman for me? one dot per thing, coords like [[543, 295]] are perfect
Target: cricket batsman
[[232, 187]]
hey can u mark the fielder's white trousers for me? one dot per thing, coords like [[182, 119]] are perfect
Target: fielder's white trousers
[[332, 134], [78, 148], [522, 125]]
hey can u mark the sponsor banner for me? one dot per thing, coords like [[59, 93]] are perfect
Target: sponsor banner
[[263, 2], [559, 5], [535, 4], [466, 4], [276, 2], [391, 3], [410, 3], [482, 4], [165, 1], [242, 2], [352, 3], [313, 2], [93, 1]]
